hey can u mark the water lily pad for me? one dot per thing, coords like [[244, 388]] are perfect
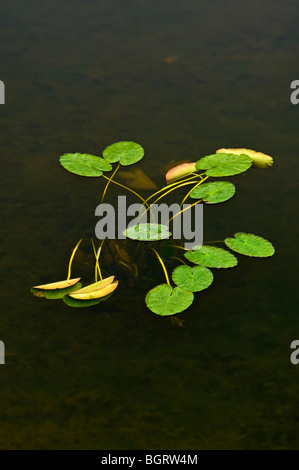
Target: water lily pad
[[84, 164], [221, 164], [212, 257], [165, 300], [250, 245], [147, 232], [95, 286], [179, 171], [193, 279], [213, 193], [126, 153], [59, 284], [260, 160], [95, 294], [55, 294], [79, 303]]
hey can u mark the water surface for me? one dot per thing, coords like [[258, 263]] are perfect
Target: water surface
[[182, 79]]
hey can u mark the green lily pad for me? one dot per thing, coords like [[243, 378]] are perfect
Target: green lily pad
[[147, 232], [222, 164], [212, 257], [84, 164], [250, 245], [192, 279], [165, 300], [79, 303], [55, 293], [212, 193], [126, 153]]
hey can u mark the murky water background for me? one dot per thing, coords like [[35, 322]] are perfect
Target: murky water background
[[182, 79]]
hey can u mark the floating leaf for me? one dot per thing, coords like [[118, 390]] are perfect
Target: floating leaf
[[221, 164], [212, 193], [212, 257], [126, 153], [177, 172], [79, 303], [95, 286], [59, 284], [54, 294], [192, 279], [260, 160], [250, 245], [165, 300], [84, 164], [95, 294], [147, 232]]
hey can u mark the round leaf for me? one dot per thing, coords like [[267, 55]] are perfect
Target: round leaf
[[84, 164], [192, 279], [126, 153], [212, 257], [147, 232], [221, 164], [164, 300], [250, 245], [212, 193]]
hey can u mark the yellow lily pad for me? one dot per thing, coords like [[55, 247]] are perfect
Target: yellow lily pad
[[260, 160], [96, 294], [59, 284], [95, 286]]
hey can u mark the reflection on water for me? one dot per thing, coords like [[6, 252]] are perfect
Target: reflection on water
[[182, 81]]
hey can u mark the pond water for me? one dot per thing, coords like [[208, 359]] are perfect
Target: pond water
[[182, 79]]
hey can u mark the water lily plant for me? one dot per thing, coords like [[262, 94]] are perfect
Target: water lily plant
[[194, 272]]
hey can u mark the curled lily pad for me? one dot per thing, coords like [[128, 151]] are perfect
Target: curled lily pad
[[213, 193], [147, 232], [250, 245], [79, 303], [260, 160], [212, 257], [58, 285], [95, 286], [221, 164], [84, 164], [165, 300], [193, 279], [179, 171], [95, 294], [55, 294], [126, 153]]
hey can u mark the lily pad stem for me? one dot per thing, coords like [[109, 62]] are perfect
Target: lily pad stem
[[108, 182], [163, 265]]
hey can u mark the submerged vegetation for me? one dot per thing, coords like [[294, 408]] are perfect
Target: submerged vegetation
[[167, 298]]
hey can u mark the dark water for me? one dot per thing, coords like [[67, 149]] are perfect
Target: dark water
[[182, 79]]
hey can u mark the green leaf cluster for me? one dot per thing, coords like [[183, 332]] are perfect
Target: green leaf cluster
[[165, 299]]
